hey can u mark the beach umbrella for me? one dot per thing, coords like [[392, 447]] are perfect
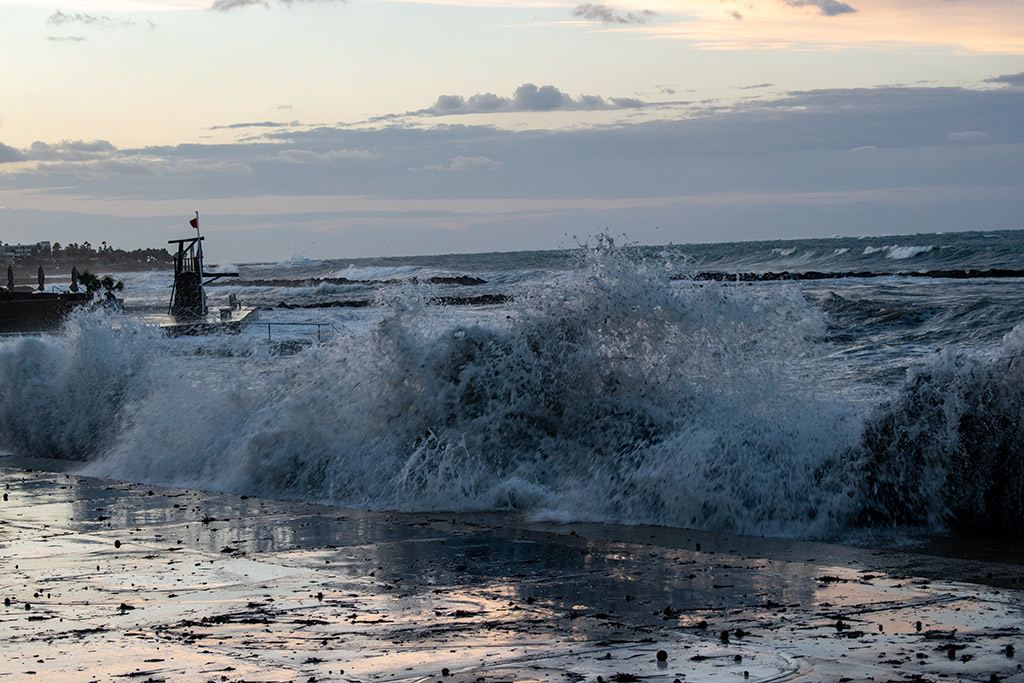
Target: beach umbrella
[[42, 278], [74, 278], [10, 278]]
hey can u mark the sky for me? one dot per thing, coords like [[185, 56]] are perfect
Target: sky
[[354, 128]]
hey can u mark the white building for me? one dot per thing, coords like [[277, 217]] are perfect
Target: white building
[[23, 250]]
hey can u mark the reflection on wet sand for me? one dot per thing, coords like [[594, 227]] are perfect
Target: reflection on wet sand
[[104, 579]]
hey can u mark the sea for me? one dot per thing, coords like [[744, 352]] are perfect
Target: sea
[[811, 388]]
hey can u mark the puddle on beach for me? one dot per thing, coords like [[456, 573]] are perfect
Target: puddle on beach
[[113, 580]]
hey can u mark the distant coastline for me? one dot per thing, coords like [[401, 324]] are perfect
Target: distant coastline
[[57, 259]]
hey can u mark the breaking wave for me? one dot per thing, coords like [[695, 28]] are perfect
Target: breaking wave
[[898, 253], [612, 393], [949, 449]]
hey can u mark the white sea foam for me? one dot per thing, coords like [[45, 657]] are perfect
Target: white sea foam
[[899, 253], [353, 272], [298, 260]]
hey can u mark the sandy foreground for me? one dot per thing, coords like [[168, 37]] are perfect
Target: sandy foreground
[[110, 581]]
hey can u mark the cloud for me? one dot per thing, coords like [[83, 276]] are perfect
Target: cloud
[[841, 158], [60, 18], [228, 5], [1012, 80], [659, 152], [9, 154], [118, 167], [468, 163], [67, 39], [255, 124], [305, 156], [527, 97], [607, 15], [969, 136], [71, 150], [829, 8], [979, 27], [462, 164]]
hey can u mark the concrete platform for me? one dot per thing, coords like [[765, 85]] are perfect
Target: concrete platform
[[108, 581], [231, 322]]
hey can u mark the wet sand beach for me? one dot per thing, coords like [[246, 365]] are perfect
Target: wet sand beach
[[111, 581]]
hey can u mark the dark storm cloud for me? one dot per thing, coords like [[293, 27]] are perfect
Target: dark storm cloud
[[829, 8], [606, 15], [527, 97], [227, 5]]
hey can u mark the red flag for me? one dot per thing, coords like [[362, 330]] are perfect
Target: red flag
[[194, 223]]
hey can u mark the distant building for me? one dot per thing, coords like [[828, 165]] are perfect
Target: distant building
[[23, 250]]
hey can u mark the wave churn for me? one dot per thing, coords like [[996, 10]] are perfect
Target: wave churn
[[613, 393]]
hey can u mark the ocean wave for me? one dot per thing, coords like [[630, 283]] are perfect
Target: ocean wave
[[612, 392], [898, 253], [375, 273], [949, 449], [63, 395], [298, 260]]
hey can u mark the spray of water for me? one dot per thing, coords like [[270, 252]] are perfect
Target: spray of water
[[612, 393]]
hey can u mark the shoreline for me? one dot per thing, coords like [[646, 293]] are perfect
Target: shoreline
[[110, 579]]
